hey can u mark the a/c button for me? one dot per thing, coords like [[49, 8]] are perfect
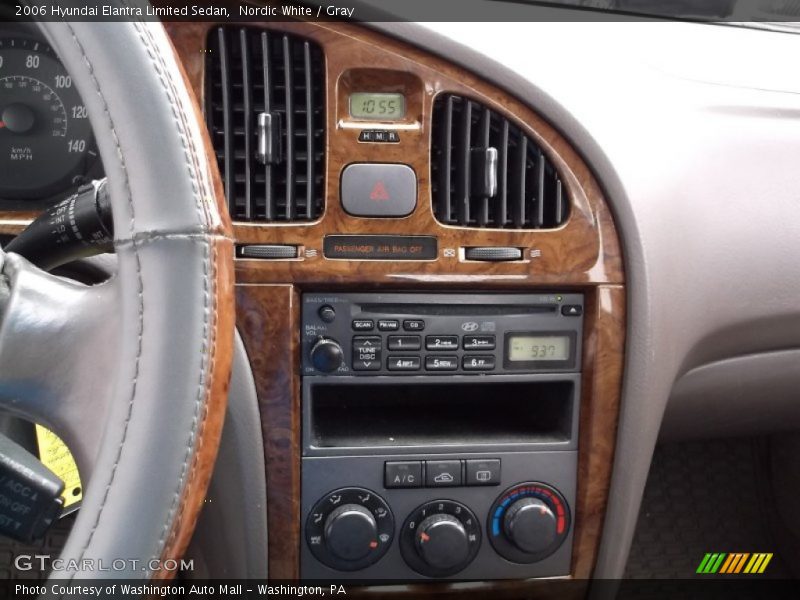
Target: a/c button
[[403, 474]]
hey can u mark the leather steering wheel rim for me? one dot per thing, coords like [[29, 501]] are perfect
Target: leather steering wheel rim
[[172, 327]]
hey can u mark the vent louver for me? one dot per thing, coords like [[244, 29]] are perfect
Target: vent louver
[[265, 110], [487, 173]]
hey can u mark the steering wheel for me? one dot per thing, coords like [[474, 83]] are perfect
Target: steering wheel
[[132, 373]]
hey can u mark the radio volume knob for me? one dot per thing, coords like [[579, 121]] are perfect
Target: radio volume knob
[[326, 355]]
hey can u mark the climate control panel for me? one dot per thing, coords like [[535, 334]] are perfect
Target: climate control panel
[[372, 531]]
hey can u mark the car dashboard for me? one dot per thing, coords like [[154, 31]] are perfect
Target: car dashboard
[[458, 276]]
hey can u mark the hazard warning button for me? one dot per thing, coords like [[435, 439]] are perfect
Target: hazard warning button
[[379, 190]]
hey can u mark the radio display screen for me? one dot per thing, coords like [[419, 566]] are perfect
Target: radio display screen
[[526, 348], [378, 106]]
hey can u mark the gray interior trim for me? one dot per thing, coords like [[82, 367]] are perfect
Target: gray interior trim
[[693, 150], [237, 496], [746, 395]]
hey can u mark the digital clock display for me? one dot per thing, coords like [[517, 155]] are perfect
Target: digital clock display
[[378, 106], [526, 348]]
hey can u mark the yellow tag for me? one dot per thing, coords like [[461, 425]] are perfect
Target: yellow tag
[[55, 455]]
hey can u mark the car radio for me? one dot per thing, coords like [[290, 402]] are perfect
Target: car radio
[[440, 435], [424, 334]]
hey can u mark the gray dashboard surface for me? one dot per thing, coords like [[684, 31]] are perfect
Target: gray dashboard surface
[[694, 132]]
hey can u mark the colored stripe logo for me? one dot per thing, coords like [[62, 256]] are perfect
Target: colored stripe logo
[[734, 563]]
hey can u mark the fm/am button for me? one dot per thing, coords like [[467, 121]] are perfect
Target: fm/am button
[[403, 474]]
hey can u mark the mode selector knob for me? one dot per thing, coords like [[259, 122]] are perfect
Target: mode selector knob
[[326, 355], [531, 525], [351, 532], [349, 529], [442, 542]]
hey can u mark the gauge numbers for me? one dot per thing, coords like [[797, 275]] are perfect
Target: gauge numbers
[[46, 143]]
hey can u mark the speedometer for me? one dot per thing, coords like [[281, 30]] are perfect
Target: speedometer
[[46, 143]]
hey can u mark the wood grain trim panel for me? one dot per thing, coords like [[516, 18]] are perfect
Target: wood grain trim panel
[[604, 351], [268, 318], [584, 250], [269, 321]]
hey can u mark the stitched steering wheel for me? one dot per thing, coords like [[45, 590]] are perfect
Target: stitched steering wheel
[[131, 373]]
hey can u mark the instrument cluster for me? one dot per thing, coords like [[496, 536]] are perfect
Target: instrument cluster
[[47, 148]]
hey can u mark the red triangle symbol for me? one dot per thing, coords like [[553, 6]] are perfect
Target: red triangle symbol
[[379, 192]]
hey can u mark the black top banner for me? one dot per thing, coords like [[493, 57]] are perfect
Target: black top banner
[[782, 15]]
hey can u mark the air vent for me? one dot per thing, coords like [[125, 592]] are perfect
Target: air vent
[[487, 173], [265, 108]]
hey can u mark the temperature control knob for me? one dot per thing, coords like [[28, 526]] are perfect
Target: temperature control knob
[[440, 538], [349, 529], [531, 525], [528, 522], [326, 355]]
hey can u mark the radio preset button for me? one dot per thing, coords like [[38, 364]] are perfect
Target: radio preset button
[[479, 342], [441, 363], [477, 363], [441, 342], [403, 474], [413, 324], [363, 325], [404, 342], [388, 325], [442, 473], [367, 353], [403, 363]]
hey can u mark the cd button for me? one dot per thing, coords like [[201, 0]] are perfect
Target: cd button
[[413, 324]]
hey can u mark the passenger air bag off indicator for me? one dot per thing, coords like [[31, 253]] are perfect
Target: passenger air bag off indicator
[[30, 493], [380, 247]]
